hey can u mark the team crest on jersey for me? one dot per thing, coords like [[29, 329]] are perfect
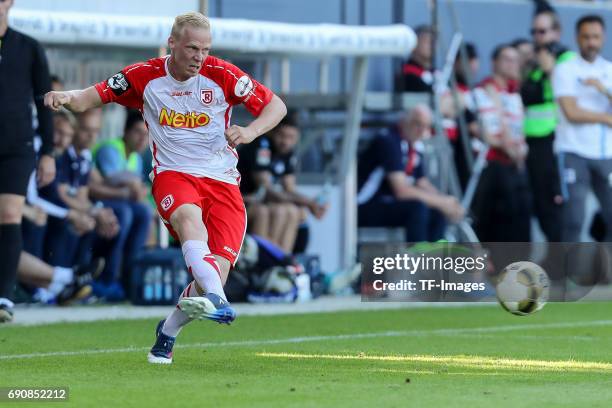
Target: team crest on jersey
[[118, 83], [167, 202], [206, 96]]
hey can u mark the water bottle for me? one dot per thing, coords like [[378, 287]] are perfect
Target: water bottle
[[168, 275], [302, 282], [157, 283], [148, 284]]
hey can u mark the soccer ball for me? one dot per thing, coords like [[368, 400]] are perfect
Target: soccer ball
[[522, 288]]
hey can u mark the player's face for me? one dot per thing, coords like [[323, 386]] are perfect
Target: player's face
[[590, 40], [5, 5], [137, 137], [63, 132], [88, 129], [190, 50], [286, 138]]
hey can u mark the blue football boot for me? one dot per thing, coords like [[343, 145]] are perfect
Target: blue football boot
[[208, 306], [161, 352]]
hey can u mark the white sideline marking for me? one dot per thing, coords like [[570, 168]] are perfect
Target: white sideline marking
[[290, 340]]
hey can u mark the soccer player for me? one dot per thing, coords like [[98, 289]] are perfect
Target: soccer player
[[187, 99]]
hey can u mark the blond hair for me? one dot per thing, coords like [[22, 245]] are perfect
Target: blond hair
[[192, 19]]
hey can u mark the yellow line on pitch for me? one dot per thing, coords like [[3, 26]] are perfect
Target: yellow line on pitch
[[462, 360]]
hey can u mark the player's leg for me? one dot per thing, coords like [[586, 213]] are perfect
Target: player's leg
[[187, 222], [226, 222], [168, 328], [179, 199], [11, 207], [204, 266]]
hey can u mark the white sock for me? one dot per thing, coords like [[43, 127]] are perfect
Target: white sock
[[44, 295], [204, 267], [61, 274], [61, 278], [178, 319]]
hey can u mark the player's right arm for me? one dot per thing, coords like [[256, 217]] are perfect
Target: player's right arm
[[75, 101]]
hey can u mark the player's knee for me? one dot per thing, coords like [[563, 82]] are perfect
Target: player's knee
[[187, 222]]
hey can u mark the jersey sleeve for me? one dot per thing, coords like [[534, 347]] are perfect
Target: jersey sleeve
[[238, 87], [126, 87]]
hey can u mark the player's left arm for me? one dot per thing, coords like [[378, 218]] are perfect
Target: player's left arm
[[269, 117]]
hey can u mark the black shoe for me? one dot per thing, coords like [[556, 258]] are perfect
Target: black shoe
[[6, 313], [84, 274], [80, 287], [73, 292]]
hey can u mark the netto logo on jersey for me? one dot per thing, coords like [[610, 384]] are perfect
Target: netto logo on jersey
[[179, 120]]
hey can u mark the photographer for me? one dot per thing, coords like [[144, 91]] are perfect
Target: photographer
[[541, 122]]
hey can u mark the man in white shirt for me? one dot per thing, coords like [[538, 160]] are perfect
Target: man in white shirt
[[583, 88]]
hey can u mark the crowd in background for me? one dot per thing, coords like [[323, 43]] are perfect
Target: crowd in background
[[542, 120]]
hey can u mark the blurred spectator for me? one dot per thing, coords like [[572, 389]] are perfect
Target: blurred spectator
[[275, 209], [583, 88], [502, 202], [416, 72], [117, 181], [541, 122], [66, 239], [37, 207], [393, 188], [526, 52], [464, 76]]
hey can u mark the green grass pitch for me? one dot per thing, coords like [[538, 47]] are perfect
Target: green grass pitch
[[430, 357]]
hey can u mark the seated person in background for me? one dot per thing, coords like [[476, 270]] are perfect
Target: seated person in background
[[67, 244], [117, 181], [393, 188], [275, 209], [63, 243], [37, 208]]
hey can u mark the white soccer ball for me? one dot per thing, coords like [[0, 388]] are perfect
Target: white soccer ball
[[522, 288]]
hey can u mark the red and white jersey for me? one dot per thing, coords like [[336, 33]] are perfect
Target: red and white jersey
[[499, 112], [187, 120]]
